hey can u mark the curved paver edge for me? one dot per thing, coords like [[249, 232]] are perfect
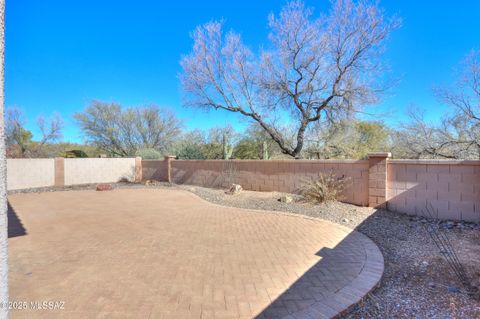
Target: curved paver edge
[[366, 281]]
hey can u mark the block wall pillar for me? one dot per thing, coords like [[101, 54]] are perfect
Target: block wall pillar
[[377, 179], [138, 170], [59, 169]]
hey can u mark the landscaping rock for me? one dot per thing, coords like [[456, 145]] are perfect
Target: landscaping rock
[[234, 189], [286, 199], [104, 187], [150, 182]]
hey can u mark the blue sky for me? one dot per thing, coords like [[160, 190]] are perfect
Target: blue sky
[[62, 54]]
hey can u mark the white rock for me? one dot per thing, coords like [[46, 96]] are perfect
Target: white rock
[[286, 199], [234, 189]]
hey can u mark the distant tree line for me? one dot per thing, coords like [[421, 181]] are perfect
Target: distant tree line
[[299, 95], [153, 132]]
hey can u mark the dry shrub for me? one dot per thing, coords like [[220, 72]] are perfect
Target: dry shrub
[[327, 188]]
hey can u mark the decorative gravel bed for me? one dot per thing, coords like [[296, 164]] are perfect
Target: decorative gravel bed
[[417, 282]]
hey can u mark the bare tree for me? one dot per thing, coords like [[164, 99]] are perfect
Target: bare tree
[[313, 68], [421, 139], [50, 129], [16, 134], [18, 137], [465, 101], [458, 134], [122, 132]]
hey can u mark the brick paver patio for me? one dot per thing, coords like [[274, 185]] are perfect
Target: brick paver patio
[[151, 253]]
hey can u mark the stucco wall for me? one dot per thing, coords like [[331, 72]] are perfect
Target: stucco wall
[[29, 173], [452, 188], [272, 175], [98, 170]]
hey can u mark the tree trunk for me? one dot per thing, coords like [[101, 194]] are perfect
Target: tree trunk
[[3, 178]]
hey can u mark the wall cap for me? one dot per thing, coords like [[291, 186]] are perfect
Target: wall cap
[[434, 162], [280, 161], [381, 155]]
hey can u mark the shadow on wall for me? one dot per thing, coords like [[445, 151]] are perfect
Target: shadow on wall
[[154, 169], [15, 226], [453, 191], [451, 187]]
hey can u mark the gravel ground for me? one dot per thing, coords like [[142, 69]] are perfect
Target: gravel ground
[[417, 282]]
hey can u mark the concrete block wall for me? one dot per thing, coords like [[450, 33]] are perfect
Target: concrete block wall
[[451, 188], [272, 175]]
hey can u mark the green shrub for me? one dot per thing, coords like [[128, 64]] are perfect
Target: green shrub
[[190, 152], [75, 154], [148, 153], [326, 188]]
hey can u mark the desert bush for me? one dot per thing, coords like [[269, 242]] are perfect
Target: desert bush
[[75, 154], [190, 151], [327, 188], [148, 153]]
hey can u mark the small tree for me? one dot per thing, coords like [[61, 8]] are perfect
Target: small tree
[[314, 68], [220, 142], [347, 139], [256, 144], [227, 146], [148, 153], [190, 145], [123, 131], [16, 135], [20, 140], [75, 154]]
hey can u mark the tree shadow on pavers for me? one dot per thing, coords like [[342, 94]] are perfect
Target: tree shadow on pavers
[[15, 226], [308, 298], [340, 279]]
